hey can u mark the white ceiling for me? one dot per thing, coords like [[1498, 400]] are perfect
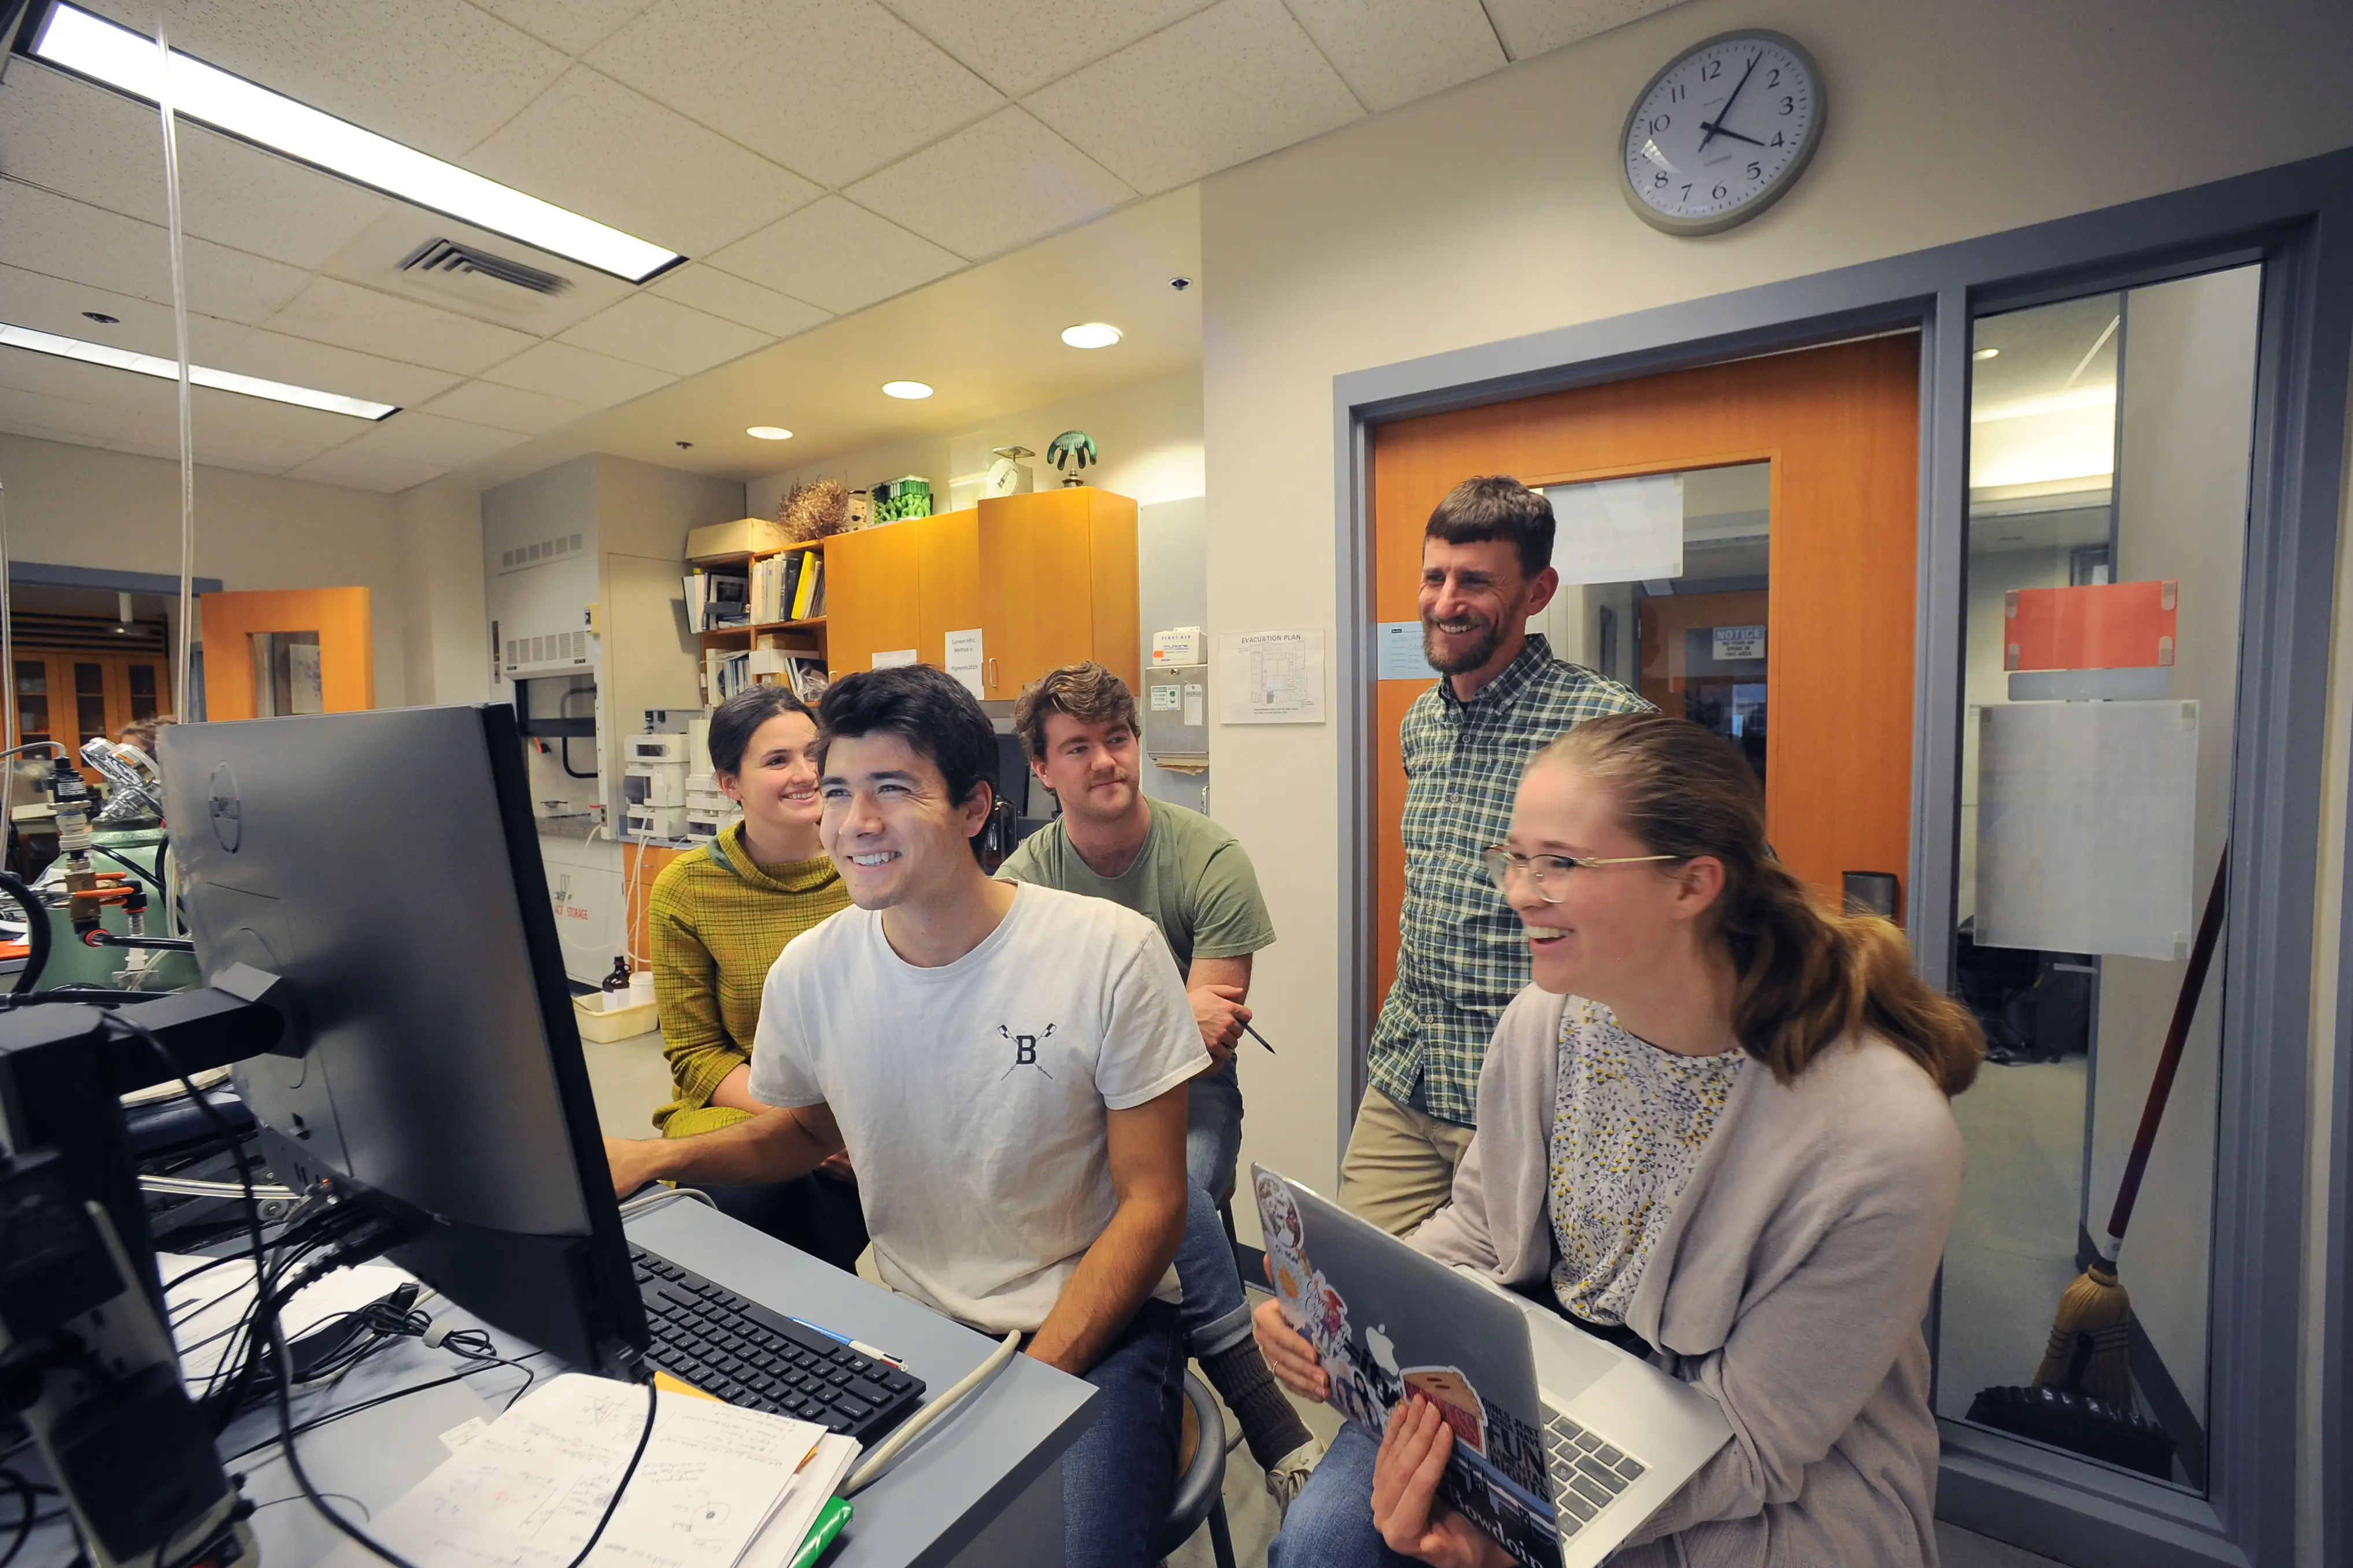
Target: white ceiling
[[812, 158]]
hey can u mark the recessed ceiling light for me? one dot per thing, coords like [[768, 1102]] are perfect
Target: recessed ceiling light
[[768, 431], [169, 370], [1090, 335], [1987, 354], [74, 40], [908, 389], [101, 318]]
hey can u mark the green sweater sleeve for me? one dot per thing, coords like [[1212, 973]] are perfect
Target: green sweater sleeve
[[686, 992]]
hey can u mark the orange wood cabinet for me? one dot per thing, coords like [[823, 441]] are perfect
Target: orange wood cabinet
[[341, 617], [68, 696], [1048, 578]]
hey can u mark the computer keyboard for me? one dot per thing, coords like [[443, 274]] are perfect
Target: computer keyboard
[[1588, 1473], [724, 1344]]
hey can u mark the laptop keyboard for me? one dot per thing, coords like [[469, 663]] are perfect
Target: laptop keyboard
[[710, 1337], [1588, 1473]]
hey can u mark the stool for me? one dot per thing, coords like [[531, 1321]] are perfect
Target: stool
[[1201, 1478]]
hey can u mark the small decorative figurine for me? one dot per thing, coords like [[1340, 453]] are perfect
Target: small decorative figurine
[[1071, 452]]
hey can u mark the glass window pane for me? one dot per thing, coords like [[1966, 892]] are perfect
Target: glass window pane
[[2110, 441], [32, 700], [1682, 615], [90, 699]]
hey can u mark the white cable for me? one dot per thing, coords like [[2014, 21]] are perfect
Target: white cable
[[662, 1198], [180, 328], [867, 1472]]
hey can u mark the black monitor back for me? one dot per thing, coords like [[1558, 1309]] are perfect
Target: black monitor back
[[386, 865]]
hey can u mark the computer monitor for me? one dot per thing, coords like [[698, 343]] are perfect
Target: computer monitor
[[387, 866]]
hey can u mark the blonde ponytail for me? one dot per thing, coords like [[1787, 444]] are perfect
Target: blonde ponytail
[[1807, 977]]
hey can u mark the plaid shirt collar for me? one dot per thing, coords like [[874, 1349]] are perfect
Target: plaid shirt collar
[[1499, 694]]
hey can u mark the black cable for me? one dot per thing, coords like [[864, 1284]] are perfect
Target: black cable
[[285, 1392], [131, 865], [31, 1505], [36, 932], [653, 1403]]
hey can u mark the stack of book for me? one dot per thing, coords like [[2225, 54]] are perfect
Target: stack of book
[[777, 584], [718, 597]]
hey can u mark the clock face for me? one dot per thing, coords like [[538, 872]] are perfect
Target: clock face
[[1720, 133]]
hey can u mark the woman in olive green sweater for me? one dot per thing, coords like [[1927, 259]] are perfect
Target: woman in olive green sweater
[[718, 917]]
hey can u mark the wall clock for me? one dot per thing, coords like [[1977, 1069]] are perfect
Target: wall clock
[[1721, 132]]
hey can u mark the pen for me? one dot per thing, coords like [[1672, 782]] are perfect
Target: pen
[[1254, 1035], [860, 1346]]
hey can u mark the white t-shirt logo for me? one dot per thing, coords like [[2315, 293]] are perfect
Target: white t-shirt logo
[[1025, 1051]]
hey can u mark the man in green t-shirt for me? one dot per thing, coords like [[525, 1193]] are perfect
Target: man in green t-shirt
[[1194, 880]]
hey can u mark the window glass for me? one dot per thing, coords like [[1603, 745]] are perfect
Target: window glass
[[2110, 441]]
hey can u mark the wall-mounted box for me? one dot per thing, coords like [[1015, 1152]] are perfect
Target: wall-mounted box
[[1176, 716]]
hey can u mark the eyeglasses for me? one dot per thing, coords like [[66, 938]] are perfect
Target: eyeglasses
[[1550, 872]]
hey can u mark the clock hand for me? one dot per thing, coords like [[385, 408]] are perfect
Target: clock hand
[[1721, 114], [1723, 130]]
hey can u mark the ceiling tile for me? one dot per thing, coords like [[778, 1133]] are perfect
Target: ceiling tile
[[1019, 46], [428, 438], [837, 255], [507, 407], [646, 330], [216, 448], [43, 232], [1532, 26], [328, 369], [32, 413], [438, 74], [369, 470], [101, 148], [830, 88], [652, 172], [55, 305], [724, 294], [1394, 51], [1218, 88], [993, 186], [330, 310], [572, 26], [561, 369]]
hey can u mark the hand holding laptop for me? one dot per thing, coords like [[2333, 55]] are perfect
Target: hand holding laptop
[[1288, 1354], [1406, 1509]]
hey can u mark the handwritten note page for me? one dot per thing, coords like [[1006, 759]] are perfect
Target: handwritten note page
[[528, 1490]]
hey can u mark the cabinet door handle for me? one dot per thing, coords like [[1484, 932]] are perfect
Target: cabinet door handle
[[992, 674]]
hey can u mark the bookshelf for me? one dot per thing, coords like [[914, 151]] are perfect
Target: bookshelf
[[749, 636]]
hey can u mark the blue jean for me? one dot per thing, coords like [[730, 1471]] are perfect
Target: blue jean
[[1330, 1523], [1120, 1476], [1215, 1315], [1213, 1132]]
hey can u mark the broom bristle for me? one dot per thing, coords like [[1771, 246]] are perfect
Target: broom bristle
[[2091, 1339]]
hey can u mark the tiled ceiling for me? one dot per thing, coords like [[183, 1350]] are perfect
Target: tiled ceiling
[[811, 158]]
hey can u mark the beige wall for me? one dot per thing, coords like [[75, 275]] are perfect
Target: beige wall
[[446, 623], [78, 506], [1493, 211]]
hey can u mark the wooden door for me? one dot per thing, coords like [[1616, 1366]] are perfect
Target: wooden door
[[870, 595], [947, 584], [69, 695], [341, 618], [1037, 589], [1840, 427]]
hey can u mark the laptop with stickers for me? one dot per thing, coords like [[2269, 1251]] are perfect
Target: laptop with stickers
[[1563, 1443]]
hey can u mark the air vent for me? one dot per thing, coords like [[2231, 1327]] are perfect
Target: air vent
[[449, 255]]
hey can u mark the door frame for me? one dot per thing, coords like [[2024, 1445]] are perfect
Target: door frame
[[2293, 218]]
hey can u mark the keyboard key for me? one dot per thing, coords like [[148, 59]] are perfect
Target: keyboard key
[[1609, 1480], [1608, 1455], [856, 1409], [861, 1389], [1590, 1493], [1631, 1467], [1576, 1505], [1587, 1441]]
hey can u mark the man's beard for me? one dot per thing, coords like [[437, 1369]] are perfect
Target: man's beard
[[1480, 650]]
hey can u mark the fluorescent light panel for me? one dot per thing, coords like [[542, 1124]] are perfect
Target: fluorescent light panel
[[42, 343], [88, 46]]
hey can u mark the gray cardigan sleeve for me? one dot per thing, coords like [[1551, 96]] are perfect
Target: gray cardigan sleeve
[[1495, 1221]]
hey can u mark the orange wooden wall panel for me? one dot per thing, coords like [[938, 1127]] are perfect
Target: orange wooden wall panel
[[1840, 427], [870, 595], [341, 617], [947, 581]]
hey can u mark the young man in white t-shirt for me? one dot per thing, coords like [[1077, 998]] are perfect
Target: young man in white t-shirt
[[1006, 1066]]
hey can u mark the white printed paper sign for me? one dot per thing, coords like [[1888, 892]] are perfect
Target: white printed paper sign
[[963, 659], [1738, 642], [1165, 699], [1270, 678]]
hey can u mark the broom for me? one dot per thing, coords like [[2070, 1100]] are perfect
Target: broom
[[2091, 1337]]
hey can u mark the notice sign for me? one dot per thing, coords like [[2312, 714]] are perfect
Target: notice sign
[[1738, 642], [963, 659], [1401, 655], [1271, 677], [1166, 699]]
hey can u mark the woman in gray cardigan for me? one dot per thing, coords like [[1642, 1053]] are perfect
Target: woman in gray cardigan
[[1717, 1122]]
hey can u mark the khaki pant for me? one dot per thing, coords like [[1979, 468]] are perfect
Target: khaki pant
[[1399, 1167]]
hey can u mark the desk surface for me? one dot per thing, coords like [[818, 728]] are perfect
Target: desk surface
[[947, 1485], [941, 1492]]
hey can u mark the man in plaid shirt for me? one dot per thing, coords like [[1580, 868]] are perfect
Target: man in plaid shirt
[[1485, 568]]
